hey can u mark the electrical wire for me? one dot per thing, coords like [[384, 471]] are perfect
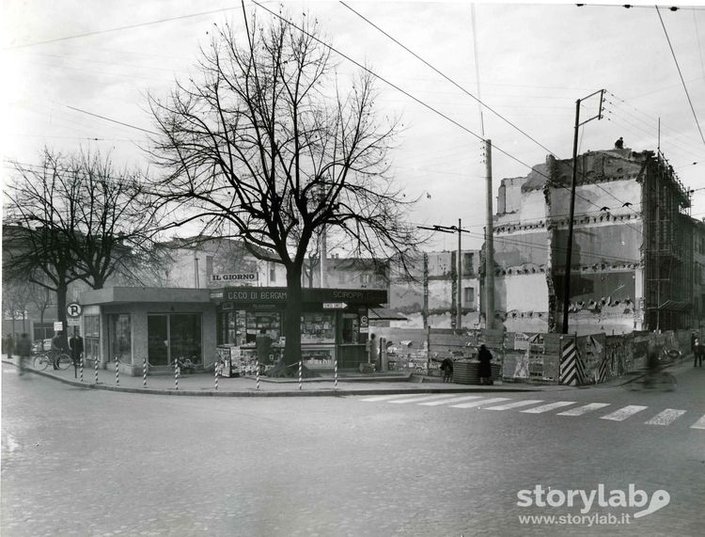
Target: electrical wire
[[461, 88], [119, 29], [680, 74]]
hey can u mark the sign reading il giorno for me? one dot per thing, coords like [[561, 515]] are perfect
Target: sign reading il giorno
[[236, 277]]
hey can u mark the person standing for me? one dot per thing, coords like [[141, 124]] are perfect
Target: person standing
[[263, 344], [698, 351], [485, 370], [76, 347], [57, 347], [447, 368], [373, 351], [24, 350]]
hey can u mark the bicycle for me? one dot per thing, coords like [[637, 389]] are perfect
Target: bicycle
[[45, 359]]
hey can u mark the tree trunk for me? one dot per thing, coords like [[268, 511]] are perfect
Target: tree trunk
[[61, 292], [292, 318]]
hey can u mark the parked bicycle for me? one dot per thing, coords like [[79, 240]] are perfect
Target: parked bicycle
[[44, 359]]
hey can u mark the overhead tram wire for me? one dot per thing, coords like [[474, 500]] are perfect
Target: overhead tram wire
[[482, 104], [461, 88], [417, 100], [680, 74], [120, 28]]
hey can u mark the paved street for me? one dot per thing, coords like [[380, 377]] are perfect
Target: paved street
[[89, 462]]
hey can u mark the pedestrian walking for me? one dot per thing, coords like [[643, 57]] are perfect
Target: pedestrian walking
[[485, 357], [24, 350], [8, 346], [698, 352], [447, 368]]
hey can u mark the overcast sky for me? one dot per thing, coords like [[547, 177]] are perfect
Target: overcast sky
[[63, 61]]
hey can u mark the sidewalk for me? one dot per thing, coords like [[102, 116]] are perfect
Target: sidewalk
[[203, 384]]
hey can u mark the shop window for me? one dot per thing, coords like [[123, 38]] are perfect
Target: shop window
[[351, 328], [317, 328], [172, 336], [120, 337], [270, 322], [91, 337]]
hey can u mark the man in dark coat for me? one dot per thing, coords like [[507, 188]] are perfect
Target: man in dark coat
[[24, 350], [485, 357], [76, 346]]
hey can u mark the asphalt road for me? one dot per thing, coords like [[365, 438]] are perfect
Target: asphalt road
[[87, 462]]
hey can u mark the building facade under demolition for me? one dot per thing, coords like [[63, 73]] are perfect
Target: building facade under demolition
[[632, 263]]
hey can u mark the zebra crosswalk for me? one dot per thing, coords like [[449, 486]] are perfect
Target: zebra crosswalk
[[662, 417]]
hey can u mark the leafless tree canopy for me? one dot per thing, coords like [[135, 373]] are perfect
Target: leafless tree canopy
[[74, 218], [269, 145]]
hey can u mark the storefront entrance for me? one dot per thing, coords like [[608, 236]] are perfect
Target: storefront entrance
[[174, 335]]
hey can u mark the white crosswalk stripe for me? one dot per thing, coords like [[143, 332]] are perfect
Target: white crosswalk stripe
[[624, 413], [387, 397], [666, 417], [458, 400], [425, 397], [579, 411], [548, 407], [482, 402], [515, 404], [454, 400], [700, 424]]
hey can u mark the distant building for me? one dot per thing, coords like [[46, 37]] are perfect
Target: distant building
[[632, 259]]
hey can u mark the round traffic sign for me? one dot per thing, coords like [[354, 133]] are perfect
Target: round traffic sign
[[74, 309]]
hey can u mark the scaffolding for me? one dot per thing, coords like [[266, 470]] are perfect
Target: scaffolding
[[668, 254]]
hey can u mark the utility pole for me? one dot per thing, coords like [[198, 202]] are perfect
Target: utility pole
[[569, 248], [459, 287], [489, 243], [425, 290]]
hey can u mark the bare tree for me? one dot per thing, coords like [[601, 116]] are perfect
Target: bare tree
[[268, 143], [73, 218]]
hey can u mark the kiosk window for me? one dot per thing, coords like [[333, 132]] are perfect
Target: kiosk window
[[351, 328], [317, 328]]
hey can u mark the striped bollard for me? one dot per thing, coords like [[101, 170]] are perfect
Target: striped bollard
[[81, 369], [96, 370], [117, 371], [300, 374], [217, 373], [144, 373], [335, 373], [176, 375], [257, 372]]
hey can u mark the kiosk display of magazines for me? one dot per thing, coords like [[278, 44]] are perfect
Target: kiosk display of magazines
[[236, 361]]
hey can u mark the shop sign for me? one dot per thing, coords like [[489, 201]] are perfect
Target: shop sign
[[235, 277], [58, 326]]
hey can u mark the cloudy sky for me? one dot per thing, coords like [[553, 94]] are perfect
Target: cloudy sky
[[67, 63]]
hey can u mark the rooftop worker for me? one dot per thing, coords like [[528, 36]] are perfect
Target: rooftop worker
[[619, 144]]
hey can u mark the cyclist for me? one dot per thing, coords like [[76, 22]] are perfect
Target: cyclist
[[24, 349], [652, 365]]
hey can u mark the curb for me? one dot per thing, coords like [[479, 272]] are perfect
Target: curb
[[288, 393]]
